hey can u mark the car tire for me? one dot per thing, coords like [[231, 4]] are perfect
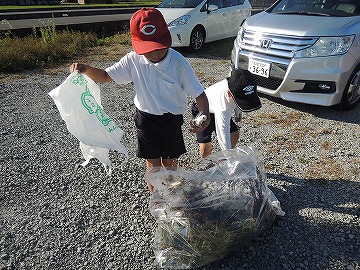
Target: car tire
[[351, 95], [197, 39]]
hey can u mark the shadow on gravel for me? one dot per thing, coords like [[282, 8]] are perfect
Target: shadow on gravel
[[331, 113], [321, 222], [220, 49], [319, 226], [319, 193]]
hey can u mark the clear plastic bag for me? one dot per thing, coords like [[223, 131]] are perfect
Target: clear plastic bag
[[208, 211]]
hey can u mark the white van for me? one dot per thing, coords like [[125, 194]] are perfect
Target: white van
[[195, 22], [305, 51]]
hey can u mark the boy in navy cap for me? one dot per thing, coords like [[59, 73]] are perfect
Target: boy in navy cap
[[163, 79], [236, 92]]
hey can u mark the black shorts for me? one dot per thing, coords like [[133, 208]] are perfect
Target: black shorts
[[205, 136], [159, 136]]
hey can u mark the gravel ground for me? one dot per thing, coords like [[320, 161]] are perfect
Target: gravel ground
[[55, 214]]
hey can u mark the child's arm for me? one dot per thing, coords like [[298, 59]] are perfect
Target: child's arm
[[203, 106], [96, 74]]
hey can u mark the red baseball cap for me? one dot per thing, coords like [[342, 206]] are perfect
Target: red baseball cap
[[149, 31]]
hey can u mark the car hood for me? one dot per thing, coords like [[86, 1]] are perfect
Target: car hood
[[171, 14], [298, 25]]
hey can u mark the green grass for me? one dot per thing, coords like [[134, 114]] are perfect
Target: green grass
[[51, 48]]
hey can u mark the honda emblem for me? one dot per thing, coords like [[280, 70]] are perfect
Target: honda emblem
[[265, 43]]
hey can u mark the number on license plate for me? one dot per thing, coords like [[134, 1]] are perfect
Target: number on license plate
[[259, 68]]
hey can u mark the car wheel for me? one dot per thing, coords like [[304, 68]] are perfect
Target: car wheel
[[197, 39], [351, 95]]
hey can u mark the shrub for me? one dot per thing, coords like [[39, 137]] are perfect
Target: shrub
[[38, 50]]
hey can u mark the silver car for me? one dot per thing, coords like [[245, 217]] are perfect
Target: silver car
[[305, 51]]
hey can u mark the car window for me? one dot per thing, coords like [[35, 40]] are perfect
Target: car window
[[230, 3], [218, 3], [317, 7], [179, 3]]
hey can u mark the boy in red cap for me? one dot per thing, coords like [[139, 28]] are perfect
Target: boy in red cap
[[163, 79]]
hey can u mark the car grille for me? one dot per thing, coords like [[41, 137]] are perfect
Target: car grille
[[269, 83], [279, 50], [274, 45]]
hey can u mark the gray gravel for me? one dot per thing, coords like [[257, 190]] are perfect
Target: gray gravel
[[55, 214]]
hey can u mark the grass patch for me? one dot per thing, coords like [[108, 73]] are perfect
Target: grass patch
[[47, 47], [109, 48], [50, 47]]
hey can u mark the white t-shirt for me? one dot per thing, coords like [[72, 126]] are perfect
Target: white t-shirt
[[159, 87], [223, 107]]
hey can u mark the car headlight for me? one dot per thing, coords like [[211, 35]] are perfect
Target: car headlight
[[327, 46], [180, 21]]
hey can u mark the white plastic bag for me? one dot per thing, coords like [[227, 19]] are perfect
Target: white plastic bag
[[79, 103]]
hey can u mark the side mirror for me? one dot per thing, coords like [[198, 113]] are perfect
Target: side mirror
[[212, 8]]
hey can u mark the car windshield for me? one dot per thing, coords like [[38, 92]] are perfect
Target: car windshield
[[179, 3], [338, 8]]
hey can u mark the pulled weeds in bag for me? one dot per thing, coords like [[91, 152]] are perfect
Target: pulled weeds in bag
[[206, 212]]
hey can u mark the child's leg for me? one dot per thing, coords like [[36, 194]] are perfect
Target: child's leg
[[169, 162], [205, 149], [234, 137], [151, 163], [157, 162], [234, 133]]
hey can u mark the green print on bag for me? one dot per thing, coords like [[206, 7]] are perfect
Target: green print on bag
[[91, 105], [79, 79]]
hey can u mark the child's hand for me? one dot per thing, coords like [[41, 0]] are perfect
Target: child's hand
[[237, 116], [77, 66], [199, 119], [198, 128]]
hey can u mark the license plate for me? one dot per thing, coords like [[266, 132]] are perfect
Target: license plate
[[259, 68]]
